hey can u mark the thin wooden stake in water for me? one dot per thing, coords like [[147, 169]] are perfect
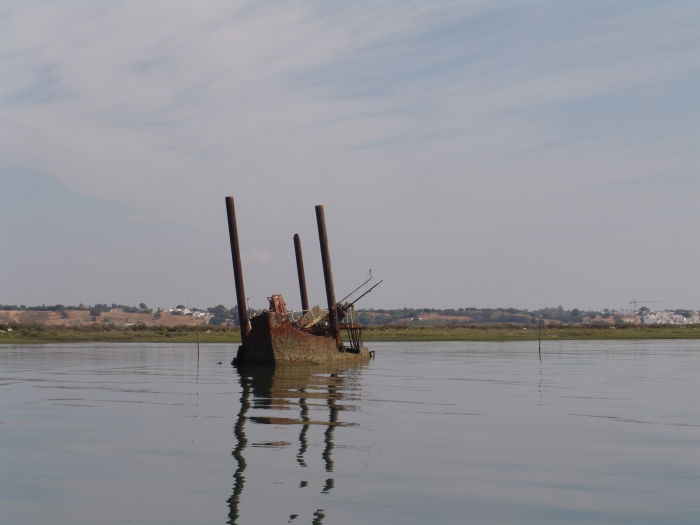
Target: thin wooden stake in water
[[197, 332], [539, 340]]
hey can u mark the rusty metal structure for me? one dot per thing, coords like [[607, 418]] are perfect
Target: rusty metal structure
[[315, 336], [300, 273]]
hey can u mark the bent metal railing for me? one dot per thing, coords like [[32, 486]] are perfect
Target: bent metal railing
[[307, 319], [354, 332]]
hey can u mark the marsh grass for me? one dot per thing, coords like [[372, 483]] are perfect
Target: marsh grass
[[37, 334], [517, 333]]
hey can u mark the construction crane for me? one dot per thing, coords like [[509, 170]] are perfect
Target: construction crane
[[635, 302]]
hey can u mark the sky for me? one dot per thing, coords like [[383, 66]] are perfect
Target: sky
[[472, 154]]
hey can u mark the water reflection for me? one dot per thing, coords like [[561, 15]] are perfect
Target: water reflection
[[303, 395]]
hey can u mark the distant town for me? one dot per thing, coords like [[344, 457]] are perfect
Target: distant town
[[124, 316]]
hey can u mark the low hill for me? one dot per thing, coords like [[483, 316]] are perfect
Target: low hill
[[116, 317]]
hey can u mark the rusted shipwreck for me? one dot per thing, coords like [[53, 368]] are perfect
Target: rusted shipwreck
[[314, 336]]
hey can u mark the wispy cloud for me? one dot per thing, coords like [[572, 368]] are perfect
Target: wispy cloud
[[460, 109]]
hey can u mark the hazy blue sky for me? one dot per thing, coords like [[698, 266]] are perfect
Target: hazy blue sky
[[513, 153]]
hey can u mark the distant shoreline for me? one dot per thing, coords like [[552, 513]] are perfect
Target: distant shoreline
[[49, 335]]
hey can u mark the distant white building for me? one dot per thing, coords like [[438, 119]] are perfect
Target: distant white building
[[668, 317], [661, 317], [182, 311], [204, 316]]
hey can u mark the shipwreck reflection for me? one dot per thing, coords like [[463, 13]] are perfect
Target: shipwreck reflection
[[310, 396]]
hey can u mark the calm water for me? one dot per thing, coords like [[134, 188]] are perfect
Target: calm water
[[600, 432]]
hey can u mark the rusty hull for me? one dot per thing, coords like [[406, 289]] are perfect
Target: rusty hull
[[274, 339]]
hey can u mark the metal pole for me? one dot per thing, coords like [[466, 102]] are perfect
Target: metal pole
[[237, 269], [300, 272], [327, 274], [197, 331]]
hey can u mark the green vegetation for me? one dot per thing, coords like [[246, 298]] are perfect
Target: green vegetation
[[36, 334], [39, 334], [519, 333], [475, 316], [221, 314], [95, 310], [413, 316], [401, 324]]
